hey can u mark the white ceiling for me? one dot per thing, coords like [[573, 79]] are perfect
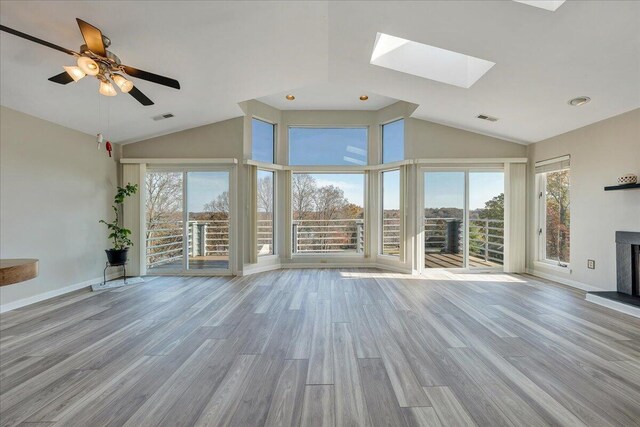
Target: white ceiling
[[227, 52]]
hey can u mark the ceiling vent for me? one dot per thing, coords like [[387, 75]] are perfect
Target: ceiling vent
[[162, 116], [488, 118]]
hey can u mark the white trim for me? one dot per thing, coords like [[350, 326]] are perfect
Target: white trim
[[390, 165], [553, 160], [203, 161], [54, 293], [614, 305], [472, 160], [250, 269], [563, 281], [264, 165]]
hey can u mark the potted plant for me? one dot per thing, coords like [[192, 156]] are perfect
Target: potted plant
[[117, 255]]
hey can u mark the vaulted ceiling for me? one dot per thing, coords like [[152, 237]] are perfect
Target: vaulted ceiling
[[227, 52]]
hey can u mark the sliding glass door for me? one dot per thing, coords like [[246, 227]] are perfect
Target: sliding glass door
[[188, 221], [463, 218]]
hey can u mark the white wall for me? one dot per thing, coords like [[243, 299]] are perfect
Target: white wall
[[599, 154], [54, 187]]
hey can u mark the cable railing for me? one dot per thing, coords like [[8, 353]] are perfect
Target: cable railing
[[205, 238], [486, 237], [391, 236], [328, 235]]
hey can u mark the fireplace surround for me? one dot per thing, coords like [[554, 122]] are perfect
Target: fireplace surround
[[626, 297]]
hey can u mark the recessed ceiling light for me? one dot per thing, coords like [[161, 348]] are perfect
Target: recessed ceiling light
[[581, 100], [551, 5], [363, 97], [290, 97], [427, 61]]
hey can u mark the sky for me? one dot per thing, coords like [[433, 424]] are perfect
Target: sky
[[446, 189], [203, 187], [327, 146]]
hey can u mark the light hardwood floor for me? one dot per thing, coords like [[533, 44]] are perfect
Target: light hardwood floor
[[321, 348]]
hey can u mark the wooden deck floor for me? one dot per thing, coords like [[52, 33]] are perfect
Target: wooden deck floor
[[321, 347], [440, 260]]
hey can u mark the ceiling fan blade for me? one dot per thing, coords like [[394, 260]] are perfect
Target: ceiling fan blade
[[37, 40], [140, 97], [155, 78], [92, 37], [62, 78]]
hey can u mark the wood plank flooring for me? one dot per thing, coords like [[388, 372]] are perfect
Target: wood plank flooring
[[321, 347]]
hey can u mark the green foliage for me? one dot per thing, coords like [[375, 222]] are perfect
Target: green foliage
[[119, 234]]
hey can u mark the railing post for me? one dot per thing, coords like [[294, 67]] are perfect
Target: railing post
[[194, 239], [486, 239], [202, 239], [359, 236], [294, 236]]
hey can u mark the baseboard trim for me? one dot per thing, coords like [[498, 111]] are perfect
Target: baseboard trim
[[562, 280], [54, 293], [614, 305]]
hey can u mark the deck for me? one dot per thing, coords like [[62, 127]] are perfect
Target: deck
[[441, 260]]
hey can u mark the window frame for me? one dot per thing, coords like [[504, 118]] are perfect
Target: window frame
[[380, 231], [541, 223], [329, 170], [366, 127], [274, 245], [274, 138], [381, 147]]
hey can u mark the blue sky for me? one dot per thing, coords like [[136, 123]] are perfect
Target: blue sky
[[203, 187], [446, 189], [327, 146]]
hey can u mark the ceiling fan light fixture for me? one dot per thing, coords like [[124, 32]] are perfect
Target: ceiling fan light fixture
[[106, 88], [124, 84], [74, 72], [88, 65]]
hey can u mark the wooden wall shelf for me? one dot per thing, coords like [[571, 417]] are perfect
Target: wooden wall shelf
[[622, 187], [17, 270]]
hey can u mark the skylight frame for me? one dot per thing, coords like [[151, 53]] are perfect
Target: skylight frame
[[429, 62]]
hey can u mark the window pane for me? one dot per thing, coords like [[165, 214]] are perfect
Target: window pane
[[164, 221], [328, 213], [444, 219], [208, 208], [327, 146], [486, 219], [393, 141], [265, 212], [391, 213], [263, 141], [557, 216]]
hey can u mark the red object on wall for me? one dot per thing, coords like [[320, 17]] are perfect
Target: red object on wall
[[108, 147]]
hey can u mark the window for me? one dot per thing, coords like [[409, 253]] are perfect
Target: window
[[265, 215], [554, 236], [393, 141], [327, 146], [391, 213], [327, 213], [263, 141]]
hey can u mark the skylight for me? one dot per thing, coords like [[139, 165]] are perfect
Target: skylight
[[427, 61], [551, 5]]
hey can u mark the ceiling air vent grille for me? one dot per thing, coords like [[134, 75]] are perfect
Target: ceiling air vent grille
[[488, 118], [162, 116]]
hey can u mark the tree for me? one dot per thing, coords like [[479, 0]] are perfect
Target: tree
[[493, 209], [303, 189], [329, 201], [265, 195], [219, 205], [558, 216], [164, 197]]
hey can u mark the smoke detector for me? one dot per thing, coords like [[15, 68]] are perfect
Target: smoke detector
[[488, 118]]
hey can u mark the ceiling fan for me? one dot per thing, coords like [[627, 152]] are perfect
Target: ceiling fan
[[95, 60]]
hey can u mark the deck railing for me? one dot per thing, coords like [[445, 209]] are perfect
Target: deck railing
[[391, 236], [486, 237], [205, 238], [327, 235]]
